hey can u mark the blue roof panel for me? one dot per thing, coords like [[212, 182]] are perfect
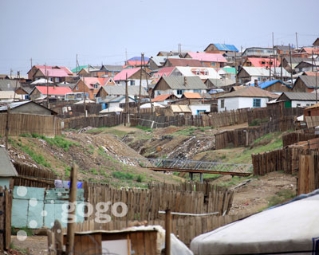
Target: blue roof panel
[[226, 47]]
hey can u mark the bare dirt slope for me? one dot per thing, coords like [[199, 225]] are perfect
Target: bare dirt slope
[[101, 153]]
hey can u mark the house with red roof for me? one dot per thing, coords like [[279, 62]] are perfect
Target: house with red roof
[[182, 62], [134, 76], [90, 86], [55, 74], [53, 92], [136, 61], [215, 60]]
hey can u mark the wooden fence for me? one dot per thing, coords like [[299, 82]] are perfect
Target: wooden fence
[[246, 136], [308, 175], [5, 219], [29, 124], [109, 120], [145, 204], [33, 177], [184, 227], [296, 137]]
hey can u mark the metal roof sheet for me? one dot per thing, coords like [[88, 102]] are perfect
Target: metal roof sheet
[[249, 91], [225, 47], [120, 90], [6, 167], [180, 108], [299, 96], [186, 82]]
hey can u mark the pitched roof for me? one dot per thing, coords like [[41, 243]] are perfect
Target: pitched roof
[[249, 91], [164, 71], [112, 68], [90, 81], [8, 85], [53, 90], [267, 84], [184, 62], [6, 167], [208, 57], [161, 98], [179, 82], [120, 90], [222, 82], [54, 71], [137, 61], [309, 81], [192, 95], [224, 47], [298, 96], [261, 71], [128, 72], [180, 108], [202, 72]]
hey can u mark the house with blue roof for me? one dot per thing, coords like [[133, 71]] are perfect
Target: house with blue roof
[[220, 48], [275, 86]]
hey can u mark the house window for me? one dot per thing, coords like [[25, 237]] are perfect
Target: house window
[[96, 85], [222, 103], [298, 105], [256, 102], [197, 91], [179, 92], [132, 82]]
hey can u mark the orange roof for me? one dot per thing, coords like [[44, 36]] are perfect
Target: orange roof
[[58, 91], [161, 98], [192, 95], [90, 81]]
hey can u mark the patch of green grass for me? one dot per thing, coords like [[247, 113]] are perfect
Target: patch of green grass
[[39, 159], [281, 196], [146, 129], [140, 178], [94, 171], [187, 131], [257, 122], [123, 175], [67, 171]]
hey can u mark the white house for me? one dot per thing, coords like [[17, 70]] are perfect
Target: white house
[[298, 99], [247, 97], [203, 72]]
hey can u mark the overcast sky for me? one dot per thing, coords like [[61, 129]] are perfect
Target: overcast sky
[[109, 31]]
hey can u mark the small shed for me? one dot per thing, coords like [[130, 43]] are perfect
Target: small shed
[[7, 170], [140, 240]]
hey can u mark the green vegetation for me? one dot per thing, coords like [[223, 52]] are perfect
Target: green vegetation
[[58, 141], [281, 197], [258, 122], [39, 159], [268, 142], [189, 131], [146, 129]]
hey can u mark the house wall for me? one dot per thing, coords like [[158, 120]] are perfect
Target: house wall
[[81, 87], [235, 103], [197, 109], [35, 94], [300, 86], [5, 182], [302, 103]]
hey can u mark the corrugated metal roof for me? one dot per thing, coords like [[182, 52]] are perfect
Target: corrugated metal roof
[[60, 91], [261, 71], [309, 81], [120, 90], [184, 62], [249, 91], [299, 96], [267, 84], [225, 47], [6, 167], [9, 85], [180, 82], [126, 73], [222, 82]]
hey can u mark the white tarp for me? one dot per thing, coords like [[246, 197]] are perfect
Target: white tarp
[[149, 105], [87, 101], [112, 109], [41, 81], [292, 228]]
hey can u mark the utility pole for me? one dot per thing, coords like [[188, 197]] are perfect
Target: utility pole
[[140, 87], [18, 78], [290, 66], [46, 75], [126, 103], [71, 215], [297, 40], [7, 126], [31, 62]]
